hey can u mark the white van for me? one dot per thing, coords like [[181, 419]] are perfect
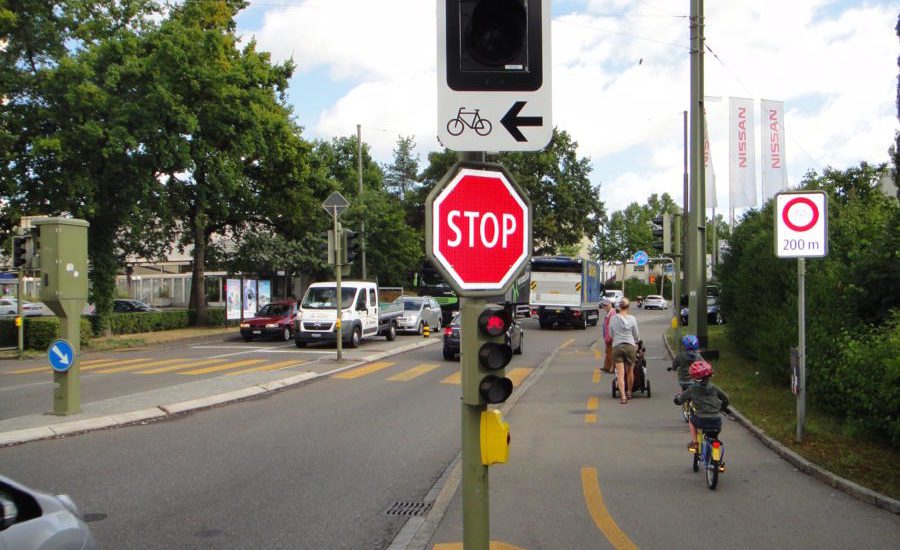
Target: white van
[[614, 296]]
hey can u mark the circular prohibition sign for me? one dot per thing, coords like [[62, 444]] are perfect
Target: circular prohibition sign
[[785, 214]]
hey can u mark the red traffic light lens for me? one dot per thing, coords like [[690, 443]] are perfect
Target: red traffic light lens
[[494, 389], [493, 321]]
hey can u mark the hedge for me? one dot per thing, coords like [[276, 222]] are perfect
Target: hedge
[[40, 332]]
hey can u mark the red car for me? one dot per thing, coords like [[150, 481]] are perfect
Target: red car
[[273, 319]]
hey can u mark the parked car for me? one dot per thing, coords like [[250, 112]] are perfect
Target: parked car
[[418, 312], [714, 314], [273, 319], [515, 337], [132, 306], [9, 306], [31, 520], [654, 301]]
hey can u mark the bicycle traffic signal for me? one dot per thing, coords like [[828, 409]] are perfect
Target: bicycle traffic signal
[[662, 229], [488, 383], [351, 246], [20, 252]]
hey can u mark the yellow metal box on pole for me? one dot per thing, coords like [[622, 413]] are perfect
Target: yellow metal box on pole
[[494, 438]]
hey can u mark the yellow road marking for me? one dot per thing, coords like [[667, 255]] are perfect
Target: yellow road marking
[[594, 501], [592, 404], [596, 378], [94, 364], [117, 362], [567, 343], [408, 375], [455, 378], [597, 355], [47, 368], [139, 366], [92, 361], [364, 370], [517, 375], [273, 366], [494, 545], [180, 366], [226, 366]]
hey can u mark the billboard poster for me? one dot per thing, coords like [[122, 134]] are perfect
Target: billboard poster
[[265, 293], [250, 298], [233, 299]]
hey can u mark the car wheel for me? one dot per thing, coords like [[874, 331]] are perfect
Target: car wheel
[[518, 350], [286, 335], [355, 337], [391, 332]]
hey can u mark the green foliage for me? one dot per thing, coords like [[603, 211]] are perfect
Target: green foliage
[[40, 332], [8, 333], [852, 299], [637, 287], [629, 230]]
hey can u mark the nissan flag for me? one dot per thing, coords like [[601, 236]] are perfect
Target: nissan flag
[[710, 178], [774, 176], [742, 153]]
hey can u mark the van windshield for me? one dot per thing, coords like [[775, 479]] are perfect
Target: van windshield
[[324, 298]]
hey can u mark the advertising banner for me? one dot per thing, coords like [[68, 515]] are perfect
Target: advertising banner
[[265, 293], [742, 153], [232, 299], [710, 178], [774, 174], [250, 298]]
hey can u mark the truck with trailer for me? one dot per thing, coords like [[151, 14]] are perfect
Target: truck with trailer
[[362, 315], [565, 291]]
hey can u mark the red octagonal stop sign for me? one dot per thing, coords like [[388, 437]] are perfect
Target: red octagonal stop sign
[[479, 230]]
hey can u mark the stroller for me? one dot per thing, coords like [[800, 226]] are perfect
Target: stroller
[[641, 382]]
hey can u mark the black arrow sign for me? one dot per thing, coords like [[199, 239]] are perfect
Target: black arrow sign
[[512, 121]]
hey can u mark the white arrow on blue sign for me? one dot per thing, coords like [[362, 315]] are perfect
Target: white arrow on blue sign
[[61, 355], [641, 258]]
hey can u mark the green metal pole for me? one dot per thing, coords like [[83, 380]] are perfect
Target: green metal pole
[[338, 264], [20, 319], [475, 485], [696, 215], [676, 280], [67, 385]]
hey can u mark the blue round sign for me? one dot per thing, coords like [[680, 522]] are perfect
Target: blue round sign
[[61, 355], [641, 258]]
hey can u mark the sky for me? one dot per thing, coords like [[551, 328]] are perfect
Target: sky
[[620, 77]]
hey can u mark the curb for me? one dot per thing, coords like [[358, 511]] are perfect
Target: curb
[[842, 484], [160, 412]]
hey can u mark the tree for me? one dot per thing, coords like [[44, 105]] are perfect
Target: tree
[[401, 176]]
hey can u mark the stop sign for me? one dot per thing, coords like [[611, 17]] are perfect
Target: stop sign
[[478, 228]]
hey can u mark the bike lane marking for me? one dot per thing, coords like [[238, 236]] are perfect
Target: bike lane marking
[[604, 521], [592, 404]]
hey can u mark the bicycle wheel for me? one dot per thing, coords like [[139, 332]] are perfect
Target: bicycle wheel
[[483, 127], [712, 474], [455, 127]]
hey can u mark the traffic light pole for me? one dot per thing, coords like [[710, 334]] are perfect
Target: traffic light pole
[[20, 320], [338, 267], [676, 280], [696, 238]]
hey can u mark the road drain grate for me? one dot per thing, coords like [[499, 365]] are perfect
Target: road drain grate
[[402, 508]]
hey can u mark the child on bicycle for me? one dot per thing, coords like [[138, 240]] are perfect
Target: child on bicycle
[[708, 402], [682, 362]]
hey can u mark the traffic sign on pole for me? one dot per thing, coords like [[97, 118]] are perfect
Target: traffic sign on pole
[[478, 229], [61, 355], [801, 224], [641, 258]]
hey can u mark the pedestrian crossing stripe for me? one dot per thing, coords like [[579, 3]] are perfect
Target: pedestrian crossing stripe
[[517, 375], [364, 370], [116, 362], [137, 366], [181, 366], [85, 366], [455, 378], [226, 366], [408, 375], [266, 368]]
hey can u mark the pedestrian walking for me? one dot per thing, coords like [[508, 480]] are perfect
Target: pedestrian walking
[[625, 337], [607, 335]]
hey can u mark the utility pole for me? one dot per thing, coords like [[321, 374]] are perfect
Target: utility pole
[[696, 236], [362, 222]]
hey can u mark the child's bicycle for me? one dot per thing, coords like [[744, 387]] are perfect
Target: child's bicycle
[[711, 455]]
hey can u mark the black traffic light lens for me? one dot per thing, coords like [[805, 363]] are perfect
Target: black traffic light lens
[[494, 356], [497, 32], [494, 389]]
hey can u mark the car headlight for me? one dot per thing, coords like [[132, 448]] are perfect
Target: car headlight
[[271, 325], [245, 325]]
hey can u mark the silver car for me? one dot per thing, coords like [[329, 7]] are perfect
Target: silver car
[[419, 311], [31, 520]]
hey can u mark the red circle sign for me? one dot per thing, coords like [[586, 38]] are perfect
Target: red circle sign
[[785, 214], [480, 230]]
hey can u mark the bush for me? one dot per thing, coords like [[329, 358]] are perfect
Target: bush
[[40, 332], [8, 333], [637, 287], [152, 321]]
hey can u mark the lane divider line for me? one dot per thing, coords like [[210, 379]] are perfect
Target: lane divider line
[[364, 370], [518, 374], [414, 372], [596, 378], [594, 501], [592, 404]]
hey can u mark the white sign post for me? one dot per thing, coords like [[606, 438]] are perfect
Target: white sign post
[[508, 109], [801, 231]]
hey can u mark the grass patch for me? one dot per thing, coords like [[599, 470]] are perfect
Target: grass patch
[[827, 441], [122, 341]]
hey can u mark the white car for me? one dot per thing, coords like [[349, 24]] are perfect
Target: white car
[[654, 301], [9, 306], [614, 296]]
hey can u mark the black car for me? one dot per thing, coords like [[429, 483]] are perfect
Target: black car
[[515, 337], [714, 314], [132, 306]]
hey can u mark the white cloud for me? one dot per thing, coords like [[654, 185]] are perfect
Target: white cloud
[[620, 83]]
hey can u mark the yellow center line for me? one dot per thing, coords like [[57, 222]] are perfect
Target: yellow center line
[[364, 370], [408, 375], [597, 355], [517, 375], [594, 501], [226, 366], [30, 370], [273, 366], [596, 377], [592, 404], [455, 378], [139, 366], [181, 366]]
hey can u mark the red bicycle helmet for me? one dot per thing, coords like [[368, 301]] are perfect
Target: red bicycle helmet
[[701, 370]]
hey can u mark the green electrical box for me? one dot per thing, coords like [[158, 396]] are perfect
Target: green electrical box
[[61, 246]]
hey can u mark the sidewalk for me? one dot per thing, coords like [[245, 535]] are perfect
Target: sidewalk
[[167, 402]]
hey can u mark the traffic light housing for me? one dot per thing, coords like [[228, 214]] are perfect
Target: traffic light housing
[[662, 230], [326, 248], [350, 246], [487, 384], [494, 45], [19, 252]]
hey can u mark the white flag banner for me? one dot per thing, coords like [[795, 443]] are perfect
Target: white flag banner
[[710, 178], [774, 174], [742, 153]]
